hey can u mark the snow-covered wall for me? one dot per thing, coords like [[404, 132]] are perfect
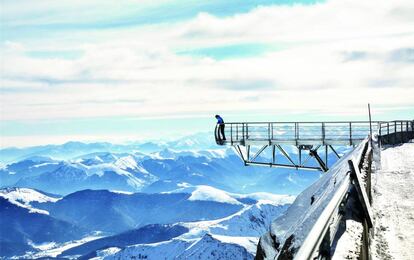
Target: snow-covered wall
[[288, 231]]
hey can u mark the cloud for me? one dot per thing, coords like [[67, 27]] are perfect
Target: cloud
[[403, 55], [354, 55], [245, 85], [302, 70]]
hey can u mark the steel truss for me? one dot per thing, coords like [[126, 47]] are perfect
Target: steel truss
[[307, 151]]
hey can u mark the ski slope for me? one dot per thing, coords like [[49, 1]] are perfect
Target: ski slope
[[393, 204]]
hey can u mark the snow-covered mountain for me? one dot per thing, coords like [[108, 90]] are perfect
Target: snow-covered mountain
[[72, 149], [148, 234], [215, 218], [155, 172], [206, 247], [237, 233], [28, 198], [107, 172], [200, 199], [21, 227], [116, 212]]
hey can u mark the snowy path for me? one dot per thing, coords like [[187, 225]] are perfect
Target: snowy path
[[394, 204]]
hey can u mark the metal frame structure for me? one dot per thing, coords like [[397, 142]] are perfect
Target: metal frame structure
[[244, 152], [311, 138]]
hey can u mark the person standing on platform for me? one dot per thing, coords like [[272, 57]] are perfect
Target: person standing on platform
[[220, 122]]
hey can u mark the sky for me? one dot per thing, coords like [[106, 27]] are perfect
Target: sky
[[133, 70]]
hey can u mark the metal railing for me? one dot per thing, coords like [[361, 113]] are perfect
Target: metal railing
[[345, 132], [395, 132], [311, 245]]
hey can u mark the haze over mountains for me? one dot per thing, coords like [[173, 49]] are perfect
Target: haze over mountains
[[95, 199]]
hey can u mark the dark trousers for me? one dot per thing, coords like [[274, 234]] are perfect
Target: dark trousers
[[221, 129]]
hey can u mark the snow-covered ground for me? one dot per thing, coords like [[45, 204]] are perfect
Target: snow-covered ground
[[393, 204], [53, 249], [22, 197]]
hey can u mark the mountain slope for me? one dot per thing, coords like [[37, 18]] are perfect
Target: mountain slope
[[20, 226], [206, 247], [116, 212], [147, 234]]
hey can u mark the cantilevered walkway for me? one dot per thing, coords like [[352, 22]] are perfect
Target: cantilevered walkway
[[262, 143]]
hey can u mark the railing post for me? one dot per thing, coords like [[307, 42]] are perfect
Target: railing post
[[406, 132], [243, 132], [388, 128], [350, 133], [296, 133], [247, 131], [395, 132], [272, 129], [323, 133], [268, 131], [380, 135], [231, 133]]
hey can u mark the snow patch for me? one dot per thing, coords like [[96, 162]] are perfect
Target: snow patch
[[393, 205], [121, 192], [25, 196], [207, 193]]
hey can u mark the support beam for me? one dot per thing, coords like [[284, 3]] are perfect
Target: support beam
[[258, 152], [280, 165], [285, 154], [314, 153], [240, 152], [333, 150]]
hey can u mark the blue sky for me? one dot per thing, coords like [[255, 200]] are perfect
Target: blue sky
[[105, 70]]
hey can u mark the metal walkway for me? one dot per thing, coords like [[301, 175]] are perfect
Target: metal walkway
[[264, 143]]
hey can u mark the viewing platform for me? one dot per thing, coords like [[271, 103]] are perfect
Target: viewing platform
[[311, 133], [306, 136]]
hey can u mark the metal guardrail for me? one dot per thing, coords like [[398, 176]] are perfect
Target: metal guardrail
[[337, 132], [297, 132], [317, 234], [395, 132]]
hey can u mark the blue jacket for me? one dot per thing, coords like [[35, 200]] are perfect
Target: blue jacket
[[220, 120]]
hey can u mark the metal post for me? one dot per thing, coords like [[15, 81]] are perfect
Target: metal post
[[350, 133], [370, 124], [268, 132], [296, 132], [380, 135], [243, 131], [272, 130], [323, 133], [231, 134], [395, 132]]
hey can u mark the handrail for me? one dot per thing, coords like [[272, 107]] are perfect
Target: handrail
[[316, 235], [312, 122], [351, 132], [319, 229]]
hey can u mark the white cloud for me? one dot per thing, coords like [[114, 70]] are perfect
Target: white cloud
[[311, 73]]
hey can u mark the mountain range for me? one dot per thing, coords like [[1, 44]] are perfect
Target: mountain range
[[177, 199]]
